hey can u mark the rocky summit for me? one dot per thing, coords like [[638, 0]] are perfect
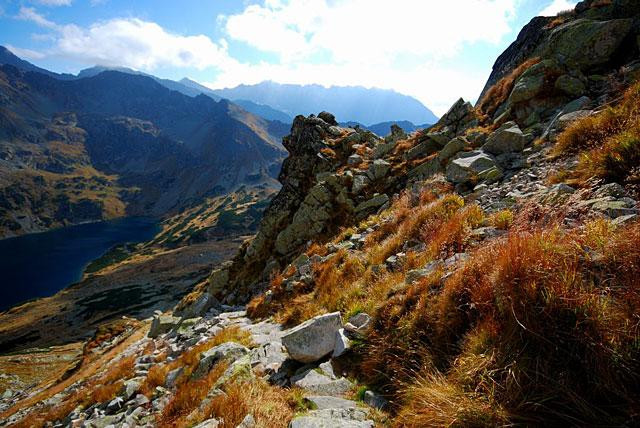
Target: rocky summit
[[482, 272]]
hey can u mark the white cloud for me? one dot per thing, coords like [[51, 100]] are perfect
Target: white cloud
[[54, 2], [400, 46], [373, 31], [138, 44], [557, 6], [30, 14], [131, 43], [411, 46]]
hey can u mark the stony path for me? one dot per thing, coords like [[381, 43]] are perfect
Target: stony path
[[326, 390]]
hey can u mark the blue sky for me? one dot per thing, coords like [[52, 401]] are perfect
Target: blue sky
[[434, 51]]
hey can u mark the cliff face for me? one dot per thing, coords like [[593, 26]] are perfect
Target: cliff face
[[542, 34]]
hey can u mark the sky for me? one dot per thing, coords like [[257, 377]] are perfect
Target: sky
[[435, 51]]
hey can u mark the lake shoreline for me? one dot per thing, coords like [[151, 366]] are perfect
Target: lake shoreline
[[39, 265]]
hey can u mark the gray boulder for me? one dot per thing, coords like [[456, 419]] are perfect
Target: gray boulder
[[342, 343], [506, 139], [374, 203], [333, 418], [585, 42], [451, 148], [469, 166], [378, 169], [230, 351], [359, 323], [162, 324], [570, 85], [328, 402], [313, 339], [172, 377], [319, 383], [209, 423]]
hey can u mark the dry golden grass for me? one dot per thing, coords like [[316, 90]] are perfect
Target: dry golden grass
[[156, 376], [270, 406], [328, 152], [435, 402], [188, 397], [533, 328], [352, 282], [96, 390], [608, 143], [500, 91]]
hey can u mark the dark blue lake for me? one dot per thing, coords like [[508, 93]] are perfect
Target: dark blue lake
[[42, 264]]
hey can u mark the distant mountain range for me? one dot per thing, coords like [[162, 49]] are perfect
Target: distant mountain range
[[350, 103], [112, 141], [384, 128], [282, 102], [116, 143]]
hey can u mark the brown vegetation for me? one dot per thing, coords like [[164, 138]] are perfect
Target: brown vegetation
[[500, 91], [608, 143], [534, 327]]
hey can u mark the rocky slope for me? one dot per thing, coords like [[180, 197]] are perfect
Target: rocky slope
[[117, 144], [482, 272]]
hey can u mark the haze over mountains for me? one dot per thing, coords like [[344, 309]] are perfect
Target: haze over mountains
[[349, 103]]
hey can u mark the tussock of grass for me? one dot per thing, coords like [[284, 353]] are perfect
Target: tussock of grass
[[188, 397], [534, 327], [270, 406], [435, 402], [500, 91], [608, 142]]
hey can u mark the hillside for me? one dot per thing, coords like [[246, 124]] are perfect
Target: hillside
[[479, 273], [116, 144], [347, 103]]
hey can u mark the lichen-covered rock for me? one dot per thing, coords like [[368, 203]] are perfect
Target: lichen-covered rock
[[506, 139], [333, 418], [451, 148], [319, 383], [459, 117], [230, 351], [313, 339], [372, 204], [162, 324], [571, 86], [468, 166], [585, 42], [378, 169]]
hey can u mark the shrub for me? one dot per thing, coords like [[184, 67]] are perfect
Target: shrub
[[502, 219]]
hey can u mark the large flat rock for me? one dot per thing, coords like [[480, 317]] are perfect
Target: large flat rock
[[313, 339]]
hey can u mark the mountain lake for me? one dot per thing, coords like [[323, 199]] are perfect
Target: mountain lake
[[41, 264]]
